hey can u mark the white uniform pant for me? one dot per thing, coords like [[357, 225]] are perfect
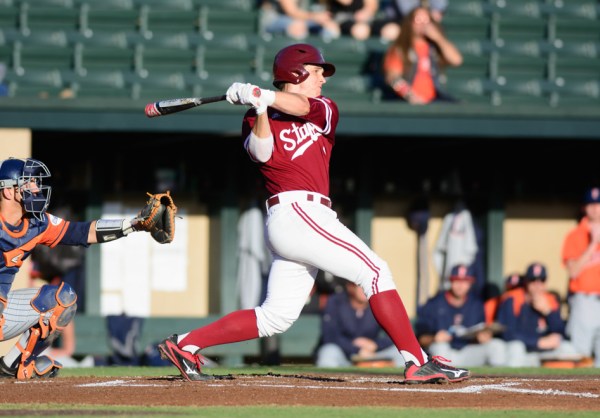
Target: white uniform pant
[[306, 237], [19, 314], [518, 356], [332, 355], [492, 353], [583, 325]]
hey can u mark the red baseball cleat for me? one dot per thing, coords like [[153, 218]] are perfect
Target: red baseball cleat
[[188, 364], [434, 371]]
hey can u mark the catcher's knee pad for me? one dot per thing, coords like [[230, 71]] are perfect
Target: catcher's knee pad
[[271, 322], [56, 306], [38, 367], [3, 304]]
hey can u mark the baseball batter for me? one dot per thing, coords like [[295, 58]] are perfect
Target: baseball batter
[[38, 315], [290, 134]]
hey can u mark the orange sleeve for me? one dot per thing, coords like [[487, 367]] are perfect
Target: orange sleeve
[[57, 228], [392, 62]]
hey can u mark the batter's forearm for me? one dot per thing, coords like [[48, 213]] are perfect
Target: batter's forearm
[[291, 103]]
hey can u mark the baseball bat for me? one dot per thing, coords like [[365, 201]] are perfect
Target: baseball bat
[[166, 107]]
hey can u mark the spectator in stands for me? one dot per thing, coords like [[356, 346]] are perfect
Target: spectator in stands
[[361, 19], [350, 332], [413, 63], [581, 255], [398, 9], [534, 327], [451, 324], [297, 19], [3, 86], [512, 281]]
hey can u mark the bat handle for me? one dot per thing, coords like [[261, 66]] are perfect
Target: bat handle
[[212, 99]]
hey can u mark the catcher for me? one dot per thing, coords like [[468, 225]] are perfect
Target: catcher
[[38, 315]]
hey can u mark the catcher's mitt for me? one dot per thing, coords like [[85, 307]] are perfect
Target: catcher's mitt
[[158, 217]]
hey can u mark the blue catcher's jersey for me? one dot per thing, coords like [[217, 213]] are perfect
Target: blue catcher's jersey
[[17, 242]]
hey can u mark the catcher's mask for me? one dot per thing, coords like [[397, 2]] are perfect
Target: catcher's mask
[[288, 66], [27, 175]]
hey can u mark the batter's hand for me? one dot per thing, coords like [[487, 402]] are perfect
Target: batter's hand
[[233, 93], [251, 95]]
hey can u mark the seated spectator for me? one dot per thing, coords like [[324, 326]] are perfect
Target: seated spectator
[[512, 281], [534, 328], [360, 19], [297, 19], [413, 62], [398, 9], [349, 331], [3, 86], [452, 325]]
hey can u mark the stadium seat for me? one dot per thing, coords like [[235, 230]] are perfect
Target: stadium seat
[[9, 16], [576, 66], [476, 8], [38, 83], [585, 9], [520, 28], [521, 90], [60, 16], [226, 53], [30, 56], [468, 89], [586, 48], [571, 29], [472, 66], [165, 18], [577, 91], [51, 37], [473, 27], [517, 8], [232, 5], [101, 84], [93, 57], [112, 39], [159, 86], [163, 59], [223, 21], [96, 16]]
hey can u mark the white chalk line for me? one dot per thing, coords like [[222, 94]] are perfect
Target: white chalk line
[[476, 389]]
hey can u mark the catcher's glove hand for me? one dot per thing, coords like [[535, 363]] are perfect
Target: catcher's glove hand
[[158, 217]]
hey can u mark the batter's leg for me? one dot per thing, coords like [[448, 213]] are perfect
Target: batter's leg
[[311, 233], [288, 287]]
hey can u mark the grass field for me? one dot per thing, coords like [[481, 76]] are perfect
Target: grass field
[[69, 407]]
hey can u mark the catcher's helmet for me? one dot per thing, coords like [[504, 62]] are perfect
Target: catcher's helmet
[[16, 172], [288, 66]]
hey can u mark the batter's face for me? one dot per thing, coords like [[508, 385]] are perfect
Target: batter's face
[[312, 86]]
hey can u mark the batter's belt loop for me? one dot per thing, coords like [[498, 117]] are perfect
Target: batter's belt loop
[[310, 197]]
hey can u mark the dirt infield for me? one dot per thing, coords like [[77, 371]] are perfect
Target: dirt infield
[[561, 393]]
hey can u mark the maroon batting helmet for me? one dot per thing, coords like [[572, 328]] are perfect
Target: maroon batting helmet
[[288, 66]]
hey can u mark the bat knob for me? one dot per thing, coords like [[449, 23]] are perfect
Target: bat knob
[[152, 110]]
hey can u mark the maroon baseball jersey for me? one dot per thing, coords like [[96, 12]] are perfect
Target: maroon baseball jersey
[[302, 147]]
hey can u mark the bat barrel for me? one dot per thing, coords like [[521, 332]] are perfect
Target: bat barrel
[[152, 110]]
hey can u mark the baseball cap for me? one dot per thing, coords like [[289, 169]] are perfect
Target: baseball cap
[[512, 281], [462, 272], [592, 195], [535, 271]]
